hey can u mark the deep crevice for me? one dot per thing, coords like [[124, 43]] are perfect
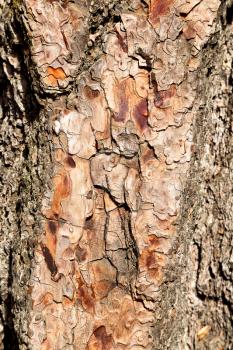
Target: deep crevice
[[10, 341], [229, 14]]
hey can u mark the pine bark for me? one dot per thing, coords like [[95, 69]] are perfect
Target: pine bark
[[116, 175]]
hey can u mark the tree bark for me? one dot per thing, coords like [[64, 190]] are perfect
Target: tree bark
[[116, 159]]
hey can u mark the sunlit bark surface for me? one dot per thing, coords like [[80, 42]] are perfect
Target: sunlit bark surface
[[117, 84]]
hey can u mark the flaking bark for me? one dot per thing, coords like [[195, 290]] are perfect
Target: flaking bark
[[111, 236]]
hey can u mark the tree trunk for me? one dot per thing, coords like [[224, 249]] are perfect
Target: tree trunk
[[116, 177]]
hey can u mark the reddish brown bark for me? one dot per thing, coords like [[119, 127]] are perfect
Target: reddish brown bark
[[121, 103]]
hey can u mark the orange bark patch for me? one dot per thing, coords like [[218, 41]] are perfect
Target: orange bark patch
[[67, 302], [100, 340], [155, 242], [46, 299], [85, 296], [53, 75], [62, 190], [141, 114], [153, 262], [64, 186], [102, 288], [57, 73], [150, 260], [159, 244], [159, 8], [104, 278]]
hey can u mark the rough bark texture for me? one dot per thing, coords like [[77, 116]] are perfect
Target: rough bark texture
[[116, 225], [211, 174], [202, 293]]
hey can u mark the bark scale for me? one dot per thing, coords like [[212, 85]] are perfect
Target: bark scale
[[107, 227]]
